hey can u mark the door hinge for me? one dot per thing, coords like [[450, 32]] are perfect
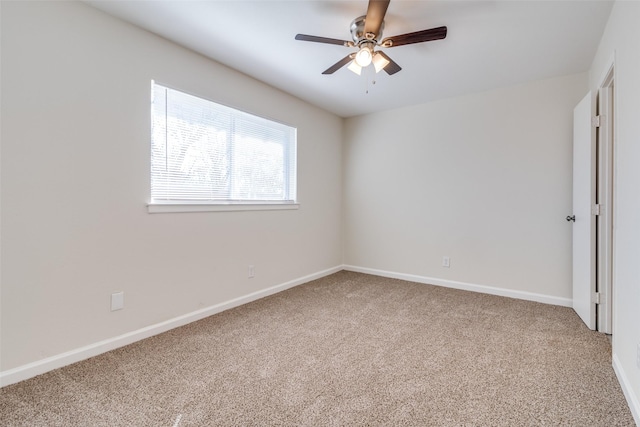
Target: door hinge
[[596, 121], [596, 209], [596, 298]]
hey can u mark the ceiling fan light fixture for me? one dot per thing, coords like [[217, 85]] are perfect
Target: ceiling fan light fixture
[[366, 32], [363, 57], [379, 62], [355, 67]]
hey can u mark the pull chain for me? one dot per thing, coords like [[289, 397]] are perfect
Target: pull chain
[[366, 80]]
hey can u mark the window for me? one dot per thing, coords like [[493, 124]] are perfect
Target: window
[[207, 154]]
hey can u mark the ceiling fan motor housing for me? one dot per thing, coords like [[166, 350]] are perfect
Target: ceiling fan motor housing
[[358, 35]]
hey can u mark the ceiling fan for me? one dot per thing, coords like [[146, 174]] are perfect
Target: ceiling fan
[[366, 32]]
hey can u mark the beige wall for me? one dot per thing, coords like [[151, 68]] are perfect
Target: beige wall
[[75, 183], [622, 38], [484, 179]]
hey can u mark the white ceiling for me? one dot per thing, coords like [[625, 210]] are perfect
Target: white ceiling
[[490, 44]]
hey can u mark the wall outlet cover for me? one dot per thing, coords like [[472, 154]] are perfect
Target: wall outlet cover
[[117, 301]]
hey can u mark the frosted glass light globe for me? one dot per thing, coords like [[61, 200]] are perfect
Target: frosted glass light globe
[[363, 57]]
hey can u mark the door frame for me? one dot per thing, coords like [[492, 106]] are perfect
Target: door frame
[[605, 196]]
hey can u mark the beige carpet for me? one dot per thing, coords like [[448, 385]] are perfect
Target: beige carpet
[[348, 349]]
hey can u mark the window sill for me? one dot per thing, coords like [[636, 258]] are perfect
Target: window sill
[[218, 207]]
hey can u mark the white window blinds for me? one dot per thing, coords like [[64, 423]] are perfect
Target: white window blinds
[[203, 152]]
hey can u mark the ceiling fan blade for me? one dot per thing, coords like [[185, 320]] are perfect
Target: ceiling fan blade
[[391, 67], [335, 67], [416, 37], [308, 38], [375, 15]]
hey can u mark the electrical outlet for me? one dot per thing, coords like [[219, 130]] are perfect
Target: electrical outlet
[[446, 262], [117, 301], [252, 271]]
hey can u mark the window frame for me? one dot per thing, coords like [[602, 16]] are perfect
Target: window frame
[[222, 205]]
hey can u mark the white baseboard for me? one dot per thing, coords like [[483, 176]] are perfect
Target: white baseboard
[[30, 370], [632, 400], [529, 296]]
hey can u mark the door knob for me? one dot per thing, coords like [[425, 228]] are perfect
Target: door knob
[[571, 218]]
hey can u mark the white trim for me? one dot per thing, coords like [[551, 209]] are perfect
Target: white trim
[[632, 400], [605, 174], [610, 65], [30, 370], [218, 207], [529, 296]]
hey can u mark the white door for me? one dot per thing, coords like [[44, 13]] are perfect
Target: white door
[[584, 279]]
